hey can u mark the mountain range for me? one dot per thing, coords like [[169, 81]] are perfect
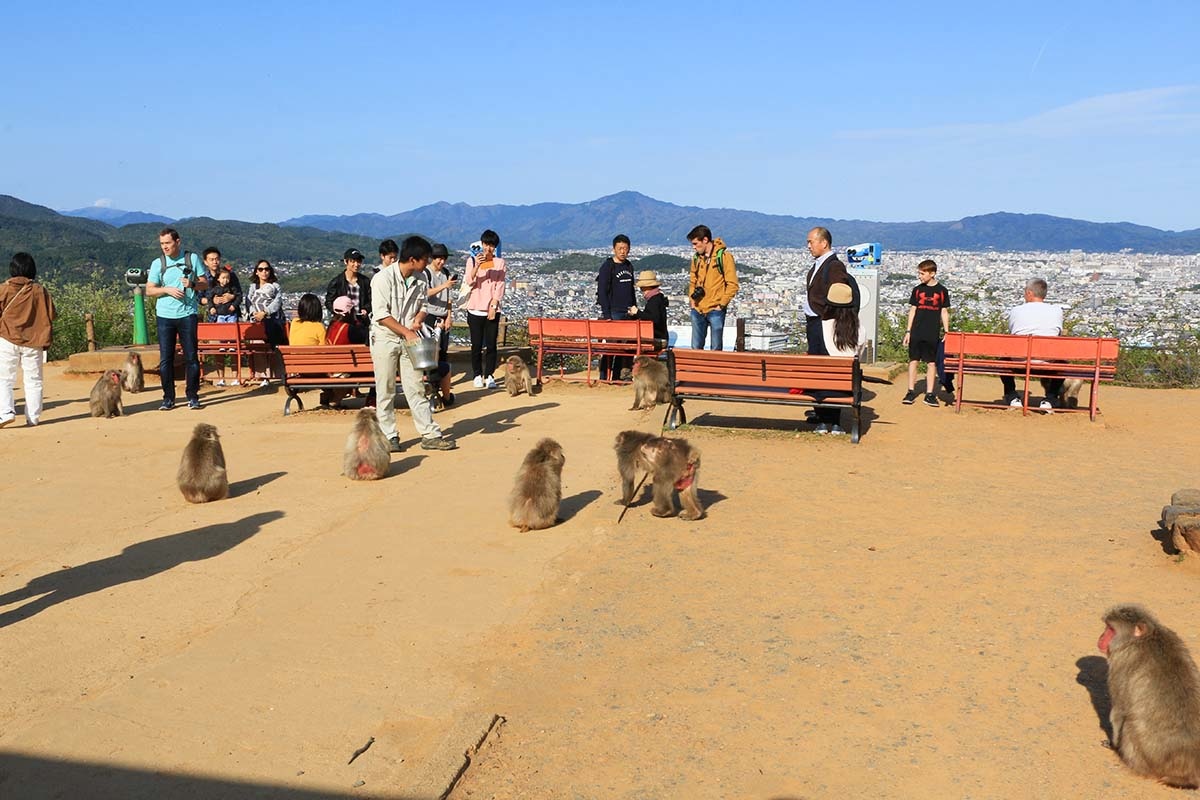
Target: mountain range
[[80, 247], [115, 216], [651, 222]]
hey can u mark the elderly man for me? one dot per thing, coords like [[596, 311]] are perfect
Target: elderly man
[[1034, 317], [826, 270]]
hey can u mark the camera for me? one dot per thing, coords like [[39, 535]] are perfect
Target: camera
[[698, 294], [136, 277]]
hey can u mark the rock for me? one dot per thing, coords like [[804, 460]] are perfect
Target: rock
[[1185, 535], [1186, 497], [1172, 514]]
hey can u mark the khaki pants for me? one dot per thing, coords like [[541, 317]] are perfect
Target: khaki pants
[[387, 357]]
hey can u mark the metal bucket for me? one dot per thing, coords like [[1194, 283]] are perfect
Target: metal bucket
[[422, 353]]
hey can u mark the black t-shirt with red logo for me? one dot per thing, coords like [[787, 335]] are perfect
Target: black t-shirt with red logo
[[930, 300]]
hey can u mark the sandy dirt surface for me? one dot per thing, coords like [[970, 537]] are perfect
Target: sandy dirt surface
[[913, 616]]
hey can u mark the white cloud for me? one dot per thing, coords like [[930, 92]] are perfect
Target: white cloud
[[103, 202], [1168, 109]]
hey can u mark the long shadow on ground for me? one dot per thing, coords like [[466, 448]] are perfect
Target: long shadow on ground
[[496, 422], [139, 560], [34, 778]]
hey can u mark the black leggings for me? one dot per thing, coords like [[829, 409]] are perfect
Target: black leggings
[[483, 334]]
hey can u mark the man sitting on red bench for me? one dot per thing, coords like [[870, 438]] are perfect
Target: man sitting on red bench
[[1034, 317]]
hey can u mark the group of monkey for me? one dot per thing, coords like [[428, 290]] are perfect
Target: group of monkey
[[1153, 682], [671, 465]]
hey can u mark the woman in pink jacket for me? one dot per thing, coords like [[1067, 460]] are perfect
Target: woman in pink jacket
[[485, 279]]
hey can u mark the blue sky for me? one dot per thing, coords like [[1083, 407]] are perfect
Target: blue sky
[[267, 110]]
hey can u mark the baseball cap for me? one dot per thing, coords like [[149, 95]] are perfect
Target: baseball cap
[[353, 254], [343, 304]]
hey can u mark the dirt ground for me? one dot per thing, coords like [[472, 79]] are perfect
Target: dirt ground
[[913, 616]]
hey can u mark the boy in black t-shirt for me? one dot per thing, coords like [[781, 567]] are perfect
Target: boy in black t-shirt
[[928, 315]]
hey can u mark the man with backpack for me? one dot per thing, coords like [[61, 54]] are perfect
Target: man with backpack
[[712, 283]]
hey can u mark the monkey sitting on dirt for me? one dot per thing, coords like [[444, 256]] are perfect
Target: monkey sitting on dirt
[[650, 383], [1155, 691], [533, 504], [517, 377], [132, 374], [105, 399], [201, 476], [672, 465]]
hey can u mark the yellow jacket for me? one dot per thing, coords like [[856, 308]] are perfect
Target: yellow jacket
[[720, 284]]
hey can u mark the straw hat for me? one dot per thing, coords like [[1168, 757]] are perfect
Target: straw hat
[[840, 294], [647, 279]]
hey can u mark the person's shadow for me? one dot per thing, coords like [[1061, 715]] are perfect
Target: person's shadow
[[137, 561]]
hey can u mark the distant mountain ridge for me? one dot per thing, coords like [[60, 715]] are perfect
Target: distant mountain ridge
[[115, 216], [652, 222]]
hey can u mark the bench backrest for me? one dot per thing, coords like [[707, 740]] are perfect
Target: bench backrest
[[580, 329], [352, 358], [713, 369], [1099, 351], [217, 331]]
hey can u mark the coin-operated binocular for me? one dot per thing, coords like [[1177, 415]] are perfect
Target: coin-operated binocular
[[867, 255], [136, 277]]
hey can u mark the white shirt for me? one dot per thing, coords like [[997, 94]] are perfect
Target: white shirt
[[393, 295], [1035, 319]]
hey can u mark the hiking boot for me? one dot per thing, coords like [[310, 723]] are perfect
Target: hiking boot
[[911, 397], [167, 405], [437, 443], [448, 400], [931, 400], [194, 405], [394, 445]]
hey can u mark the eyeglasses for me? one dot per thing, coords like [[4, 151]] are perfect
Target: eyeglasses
[[262, 269]]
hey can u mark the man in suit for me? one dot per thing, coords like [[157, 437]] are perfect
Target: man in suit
[[827, 270]]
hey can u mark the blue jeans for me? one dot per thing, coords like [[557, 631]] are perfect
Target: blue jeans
[[703, 323], [168, 329]]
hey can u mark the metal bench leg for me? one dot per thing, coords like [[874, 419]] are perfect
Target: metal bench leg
[[292, 396], [855, 425]]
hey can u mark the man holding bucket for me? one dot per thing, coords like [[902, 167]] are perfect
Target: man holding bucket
[[397, 307]]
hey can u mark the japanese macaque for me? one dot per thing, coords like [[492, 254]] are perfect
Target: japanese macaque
[[1070, 392], [367, 456], [533, 504], [1154, 687], [650, 383], [672, 465], [202, 477], [132, 374], [105, 400], [517, 377]]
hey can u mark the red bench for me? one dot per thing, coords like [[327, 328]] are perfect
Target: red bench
[[237, 339], [590, 338], [781, 378], [1091, 360]]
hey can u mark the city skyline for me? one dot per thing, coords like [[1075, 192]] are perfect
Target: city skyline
[[874, 112]]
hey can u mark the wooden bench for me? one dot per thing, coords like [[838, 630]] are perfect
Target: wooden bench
[[237, 339], [590, 338], [749, 377], [1091, 360], [314, 367]]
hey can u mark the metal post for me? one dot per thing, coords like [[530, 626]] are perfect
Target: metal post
[[139, 316]]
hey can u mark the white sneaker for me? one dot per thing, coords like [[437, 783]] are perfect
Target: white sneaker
[[219, 383], [478, 382], [235, 382], [1015, 402], [1046, 406], [265, 383], [491, 382]]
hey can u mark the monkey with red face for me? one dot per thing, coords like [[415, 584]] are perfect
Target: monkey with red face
[[1154, 687]]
